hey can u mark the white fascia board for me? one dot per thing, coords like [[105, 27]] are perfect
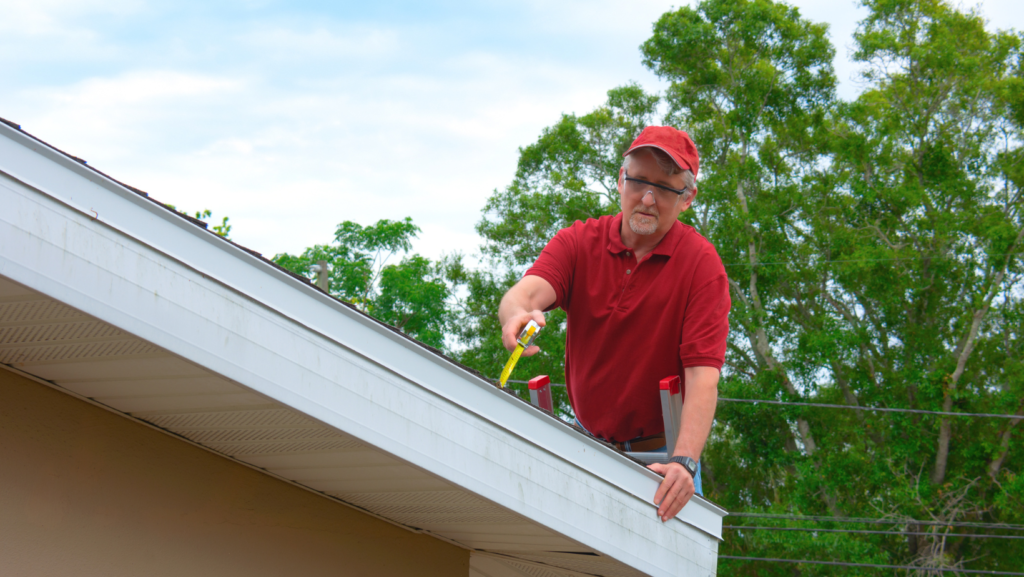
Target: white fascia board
[[71, 233]]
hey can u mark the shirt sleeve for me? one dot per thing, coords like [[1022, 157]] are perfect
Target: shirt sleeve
[[556, 264], [706, 322]]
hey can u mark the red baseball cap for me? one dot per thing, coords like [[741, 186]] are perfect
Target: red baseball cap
[[672, 142]]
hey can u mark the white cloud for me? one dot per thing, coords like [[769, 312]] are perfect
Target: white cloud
[[291, 125], [320, 43], [58, 17], [602, 16], [135, 88], [291, 166], [116, 118]]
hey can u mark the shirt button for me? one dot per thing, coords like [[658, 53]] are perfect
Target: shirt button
[[628, 271]]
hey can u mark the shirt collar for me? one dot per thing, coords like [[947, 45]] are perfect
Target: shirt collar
[[615, 245], [665, 248]]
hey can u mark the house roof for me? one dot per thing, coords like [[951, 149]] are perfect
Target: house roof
[[115, 298]]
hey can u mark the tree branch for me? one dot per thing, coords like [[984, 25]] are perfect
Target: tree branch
[[962, 353], [996, 464]]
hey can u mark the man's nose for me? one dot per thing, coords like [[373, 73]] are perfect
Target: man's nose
[[648, 198]]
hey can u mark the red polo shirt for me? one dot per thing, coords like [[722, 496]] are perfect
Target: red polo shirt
[[632, 324]]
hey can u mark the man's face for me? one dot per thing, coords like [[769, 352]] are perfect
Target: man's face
[[646, 213]]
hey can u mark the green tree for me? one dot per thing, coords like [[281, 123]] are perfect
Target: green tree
[[203, 216], [411, 295], [867, 271], [922, 217]]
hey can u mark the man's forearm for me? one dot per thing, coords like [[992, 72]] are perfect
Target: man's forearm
[[698, 410], [515, 302], [698, 413], [529, 294]]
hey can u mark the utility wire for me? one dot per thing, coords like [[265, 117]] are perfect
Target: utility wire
[[876, 409], [868, 532], [871, 565], [878, 521], [850, 407], [898, 258]]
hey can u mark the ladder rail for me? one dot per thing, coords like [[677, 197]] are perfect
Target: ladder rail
[[540, 393]]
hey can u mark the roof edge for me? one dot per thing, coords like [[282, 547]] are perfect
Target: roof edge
[[254, 277]]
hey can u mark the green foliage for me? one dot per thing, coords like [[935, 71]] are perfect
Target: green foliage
[[412, 298], [223, 229], [411, 295]]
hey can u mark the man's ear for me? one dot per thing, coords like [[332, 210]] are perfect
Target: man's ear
[[688, 199]]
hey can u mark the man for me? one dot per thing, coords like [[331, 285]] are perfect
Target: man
[[646, 297]]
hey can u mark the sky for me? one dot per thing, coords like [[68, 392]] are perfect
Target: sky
[[291, 117]]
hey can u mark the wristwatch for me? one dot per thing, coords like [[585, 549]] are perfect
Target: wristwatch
[[689, 464]]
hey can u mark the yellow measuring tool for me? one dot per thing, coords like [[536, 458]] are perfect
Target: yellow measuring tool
[[522, 343]]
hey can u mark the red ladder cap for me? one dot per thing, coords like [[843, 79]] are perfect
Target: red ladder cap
[[538, 382], [670, 384]]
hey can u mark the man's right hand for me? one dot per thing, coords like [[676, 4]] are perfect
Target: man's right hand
[[521, 304], [514, 325]]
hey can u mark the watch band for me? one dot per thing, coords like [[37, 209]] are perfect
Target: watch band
[[689, 464]]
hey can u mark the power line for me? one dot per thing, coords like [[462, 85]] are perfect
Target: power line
[[878, 521], [871, 565], [869, 532], [854, 260], [850, 407], [876, 409]]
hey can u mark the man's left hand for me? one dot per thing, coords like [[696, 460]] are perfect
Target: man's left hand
[[675, 490]]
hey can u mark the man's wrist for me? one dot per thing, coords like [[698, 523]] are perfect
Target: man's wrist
[[689, 464]]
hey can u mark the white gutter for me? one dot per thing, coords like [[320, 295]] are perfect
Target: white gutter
[[243, 318]]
